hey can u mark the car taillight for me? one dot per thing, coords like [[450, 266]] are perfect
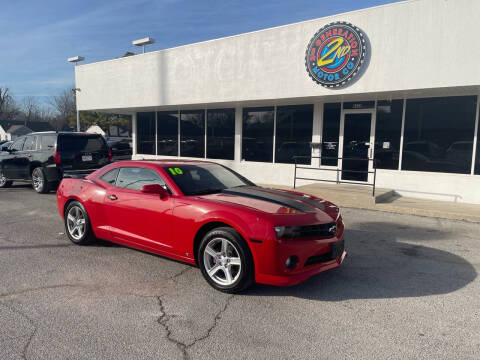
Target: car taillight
[[57, 159], [109, 154]]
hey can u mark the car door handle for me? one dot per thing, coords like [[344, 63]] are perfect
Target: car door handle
[[112, 197]]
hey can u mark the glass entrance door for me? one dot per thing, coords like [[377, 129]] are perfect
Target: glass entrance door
[[356, 145]]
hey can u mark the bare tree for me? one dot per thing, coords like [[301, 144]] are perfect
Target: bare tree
[[45, 113], [64, 106], [31, 109], [8, 108]]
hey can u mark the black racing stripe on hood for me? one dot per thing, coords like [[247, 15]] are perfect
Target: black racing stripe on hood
[[314, 203], [253, 193]]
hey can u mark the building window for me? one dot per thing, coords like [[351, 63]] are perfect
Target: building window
[[257, 135], [293, 134], [388, 133], [192, 133], [438, 134], [146, 133], [167, 133], [221, 134], [331, 132]]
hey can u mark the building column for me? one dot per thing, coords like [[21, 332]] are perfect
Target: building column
[[134, 134], [317, 132], [238, 134]]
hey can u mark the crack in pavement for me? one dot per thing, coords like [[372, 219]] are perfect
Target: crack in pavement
[[32, 323], [164, 319], [185, 270], [183, 347]]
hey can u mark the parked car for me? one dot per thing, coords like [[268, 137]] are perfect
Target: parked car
[[121, 148], [205, 214], [44, 158], [4, 145]]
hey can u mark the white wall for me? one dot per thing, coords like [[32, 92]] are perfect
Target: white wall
[[428, 185], [4, 135], [418, 44]]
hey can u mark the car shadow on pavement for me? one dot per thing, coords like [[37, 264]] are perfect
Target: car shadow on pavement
[[39, 246], [381, 265], [23, 186]]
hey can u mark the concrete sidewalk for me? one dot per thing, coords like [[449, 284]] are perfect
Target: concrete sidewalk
[[360, 197]]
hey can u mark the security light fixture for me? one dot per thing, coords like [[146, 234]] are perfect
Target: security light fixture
[[75, 59], [143, 42]]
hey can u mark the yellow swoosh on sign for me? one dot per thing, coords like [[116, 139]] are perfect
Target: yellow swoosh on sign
[[339, 51]]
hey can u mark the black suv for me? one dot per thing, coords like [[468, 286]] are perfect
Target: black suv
[[45, 158]]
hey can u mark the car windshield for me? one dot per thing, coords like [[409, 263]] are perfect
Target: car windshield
[[205, 179]]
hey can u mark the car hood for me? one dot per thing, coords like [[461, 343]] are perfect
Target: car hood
[[275, 201]]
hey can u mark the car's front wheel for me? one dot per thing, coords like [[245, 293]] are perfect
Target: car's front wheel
[[4, 183], [77, 224], [225, 260]]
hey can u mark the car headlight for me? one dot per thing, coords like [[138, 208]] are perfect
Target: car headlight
[[307, 231], [280, 231]]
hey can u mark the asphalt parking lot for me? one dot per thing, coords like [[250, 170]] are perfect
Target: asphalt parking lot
[[408, 290]]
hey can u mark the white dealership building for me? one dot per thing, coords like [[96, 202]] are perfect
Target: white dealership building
[[398, 84]]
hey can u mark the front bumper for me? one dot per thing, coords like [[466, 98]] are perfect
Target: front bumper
[[314, 257]]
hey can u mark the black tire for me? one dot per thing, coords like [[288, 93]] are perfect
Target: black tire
[[39, 181], [4, 183], [86, 237], [241, 276]]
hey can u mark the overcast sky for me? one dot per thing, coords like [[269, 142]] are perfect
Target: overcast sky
[[37, 36]]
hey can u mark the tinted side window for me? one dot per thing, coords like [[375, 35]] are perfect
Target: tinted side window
[[221, 134], [18, 144], [192, 133], [331, 131], [257, 140], [167, 133], [294, 134], [48, 141], [146, 133], [387, 133], [110, 177], [439, 134], [134, 178], [30, 143]]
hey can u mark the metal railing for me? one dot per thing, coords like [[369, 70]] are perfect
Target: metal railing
[[337, 170]]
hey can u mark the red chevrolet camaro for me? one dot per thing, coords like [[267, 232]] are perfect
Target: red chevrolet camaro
[[205, 214]]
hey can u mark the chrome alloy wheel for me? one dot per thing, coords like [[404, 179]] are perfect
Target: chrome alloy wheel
[[3, 179], [76, 222], [222, 261], [37, 179]]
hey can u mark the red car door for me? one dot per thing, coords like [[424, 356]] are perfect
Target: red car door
[[138, 218]]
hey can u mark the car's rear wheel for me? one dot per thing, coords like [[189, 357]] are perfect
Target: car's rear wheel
[[39, 181], [4, 183], [77, 224], [225, 260]]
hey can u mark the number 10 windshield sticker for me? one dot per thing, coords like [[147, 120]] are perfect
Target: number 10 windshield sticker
[[175, 171], [335, 54]]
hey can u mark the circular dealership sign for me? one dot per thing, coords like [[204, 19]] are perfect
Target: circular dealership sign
[[335, 54]]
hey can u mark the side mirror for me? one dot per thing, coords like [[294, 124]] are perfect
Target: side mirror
[[155, 189]]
